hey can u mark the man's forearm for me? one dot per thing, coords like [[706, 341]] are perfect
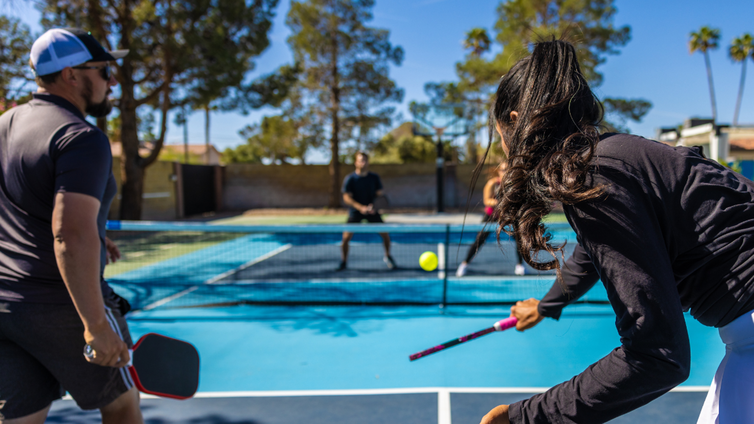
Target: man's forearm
[[78, 257], [348, 200]]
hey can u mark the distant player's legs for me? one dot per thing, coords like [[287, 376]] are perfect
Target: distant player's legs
[[481, 238], [386, 243], [344, 249], [520, 270]]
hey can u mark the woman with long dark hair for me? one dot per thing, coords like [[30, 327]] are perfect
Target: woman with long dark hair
[[665, 229]]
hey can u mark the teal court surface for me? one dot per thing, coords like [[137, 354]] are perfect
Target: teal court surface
[[270, 356]]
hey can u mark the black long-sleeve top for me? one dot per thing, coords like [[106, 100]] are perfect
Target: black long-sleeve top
[[673, 232]]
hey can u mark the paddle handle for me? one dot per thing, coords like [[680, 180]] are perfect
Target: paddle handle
[[89, 354], [501, 325]]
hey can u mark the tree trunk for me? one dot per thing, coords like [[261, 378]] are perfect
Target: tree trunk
[[206, 134], [132, 172], [740, 92], [185, 137], [711, 88], [102, 124], [334, 138], [334, 164]]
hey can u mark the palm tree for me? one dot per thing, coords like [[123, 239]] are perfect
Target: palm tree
[[739, 51], [703, 40], [477, 40]]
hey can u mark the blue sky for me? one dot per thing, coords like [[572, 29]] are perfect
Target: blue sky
[[654, 65]]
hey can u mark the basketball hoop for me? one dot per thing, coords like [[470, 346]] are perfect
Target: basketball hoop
[[450, 119]]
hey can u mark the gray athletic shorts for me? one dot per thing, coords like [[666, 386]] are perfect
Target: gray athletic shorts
[[41, 357]]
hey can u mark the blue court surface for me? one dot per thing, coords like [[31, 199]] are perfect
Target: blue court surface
[[350, 364], [348, 361]]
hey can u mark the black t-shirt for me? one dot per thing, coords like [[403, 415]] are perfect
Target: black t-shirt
[[673, 232], [46, 147], [362, 189]]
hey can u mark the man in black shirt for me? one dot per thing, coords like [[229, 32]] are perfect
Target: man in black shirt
[[360, 189], [56, 186]]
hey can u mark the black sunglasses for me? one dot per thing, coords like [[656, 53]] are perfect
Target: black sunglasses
[[106, 71]]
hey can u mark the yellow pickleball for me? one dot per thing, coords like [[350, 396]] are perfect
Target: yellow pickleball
[[428, 261]]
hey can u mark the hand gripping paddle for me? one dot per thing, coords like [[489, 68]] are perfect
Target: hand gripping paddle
[[380, 204], [163, 366], [499, 326]]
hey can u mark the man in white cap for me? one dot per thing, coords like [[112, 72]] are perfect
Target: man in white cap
[[56, 185]]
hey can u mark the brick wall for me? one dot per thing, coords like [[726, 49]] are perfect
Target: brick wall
[[246, 186], [250, 186]]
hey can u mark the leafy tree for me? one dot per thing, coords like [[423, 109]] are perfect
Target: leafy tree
[[167, 155], [588, 24], [477, 41], [344, 63], [623, 110], [702, 41], [173, 49], [741, 50], [244, 153], [15, 44], [276, 136], [401, 146], [410, 149], [290, 135]]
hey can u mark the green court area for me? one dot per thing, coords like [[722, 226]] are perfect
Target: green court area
[[142, 249], [327, 217], [146, 249], [283, 219]]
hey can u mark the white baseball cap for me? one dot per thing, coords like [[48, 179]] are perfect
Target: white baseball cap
[[59, 48]]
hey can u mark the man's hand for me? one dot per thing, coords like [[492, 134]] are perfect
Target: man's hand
[[370, 209], [498, 415], [364, 209], [527, 314], [109, 349], [113, 253]]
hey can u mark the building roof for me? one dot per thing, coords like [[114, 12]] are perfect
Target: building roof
[[742, 144]]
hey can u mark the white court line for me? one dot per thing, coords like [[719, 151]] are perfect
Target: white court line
[[443, 406], [441, 260], [410, 390], [216, 278], [280, 249]]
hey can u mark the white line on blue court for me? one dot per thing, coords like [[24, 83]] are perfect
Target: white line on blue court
[[217, 278], [443, 394], [399, 391]]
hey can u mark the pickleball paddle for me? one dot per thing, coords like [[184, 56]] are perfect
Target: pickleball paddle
[[380, 204], [163, 366], [498, 326]]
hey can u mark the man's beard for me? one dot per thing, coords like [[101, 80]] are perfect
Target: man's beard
[[97, 110]]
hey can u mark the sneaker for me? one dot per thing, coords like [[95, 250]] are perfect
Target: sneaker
[[520, 270], [461, 271], [389, 262], [342, 266]]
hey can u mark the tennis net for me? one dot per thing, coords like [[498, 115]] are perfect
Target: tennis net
[[167, 265]]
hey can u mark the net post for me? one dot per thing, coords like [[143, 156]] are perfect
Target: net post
[[445, 267]]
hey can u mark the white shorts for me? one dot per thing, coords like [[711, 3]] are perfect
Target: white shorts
[[731, 396]]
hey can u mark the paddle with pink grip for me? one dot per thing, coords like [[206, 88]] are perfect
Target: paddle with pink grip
[[499, 326]]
